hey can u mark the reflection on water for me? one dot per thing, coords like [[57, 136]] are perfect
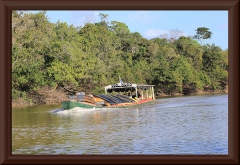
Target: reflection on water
[[181, 125]]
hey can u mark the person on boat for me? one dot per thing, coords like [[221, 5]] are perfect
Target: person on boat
[[135, 96], [139, 96], [129, 95]]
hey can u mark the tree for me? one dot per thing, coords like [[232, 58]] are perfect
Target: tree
[[172, 35], [215, 64], [202, 34], [31, 35], [191, 49], [104, 18], [119, 28], [71, 59], [90, 18]]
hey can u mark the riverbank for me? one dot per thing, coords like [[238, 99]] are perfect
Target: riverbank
[[49, 97], [197, 93], [41, 97]]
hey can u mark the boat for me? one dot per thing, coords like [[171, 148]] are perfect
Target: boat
[[131, 97]]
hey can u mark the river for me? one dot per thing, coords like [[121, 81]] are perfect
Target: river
[[175, 125]]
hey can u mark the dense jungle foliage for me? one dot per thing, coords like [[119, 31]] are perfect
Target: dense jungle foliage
[[58, 56]]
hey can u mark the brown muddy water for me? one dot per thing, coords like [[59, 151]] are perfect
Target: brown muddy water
[[177, 125]]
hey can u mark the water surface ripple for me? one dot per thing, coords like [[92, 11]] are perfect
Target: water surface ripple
[[179, 125]]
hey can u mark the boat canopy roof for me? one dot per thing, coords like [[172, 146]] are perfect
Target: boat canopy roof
[[127, 86]]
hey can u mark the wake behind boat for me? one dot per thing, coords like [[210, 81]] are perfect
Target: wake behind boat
[[131, 97]]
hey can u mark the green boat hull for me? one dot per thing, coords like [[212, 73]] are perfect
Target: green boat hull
[[72, 104]]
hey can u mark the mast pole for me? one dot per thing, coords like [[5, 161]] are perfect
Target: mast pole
[[147, 93], [153, 93], [150, 92], [136, 94]]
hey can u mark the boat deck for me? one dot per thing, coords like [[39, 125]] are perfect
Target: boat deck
[[144, 101]]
